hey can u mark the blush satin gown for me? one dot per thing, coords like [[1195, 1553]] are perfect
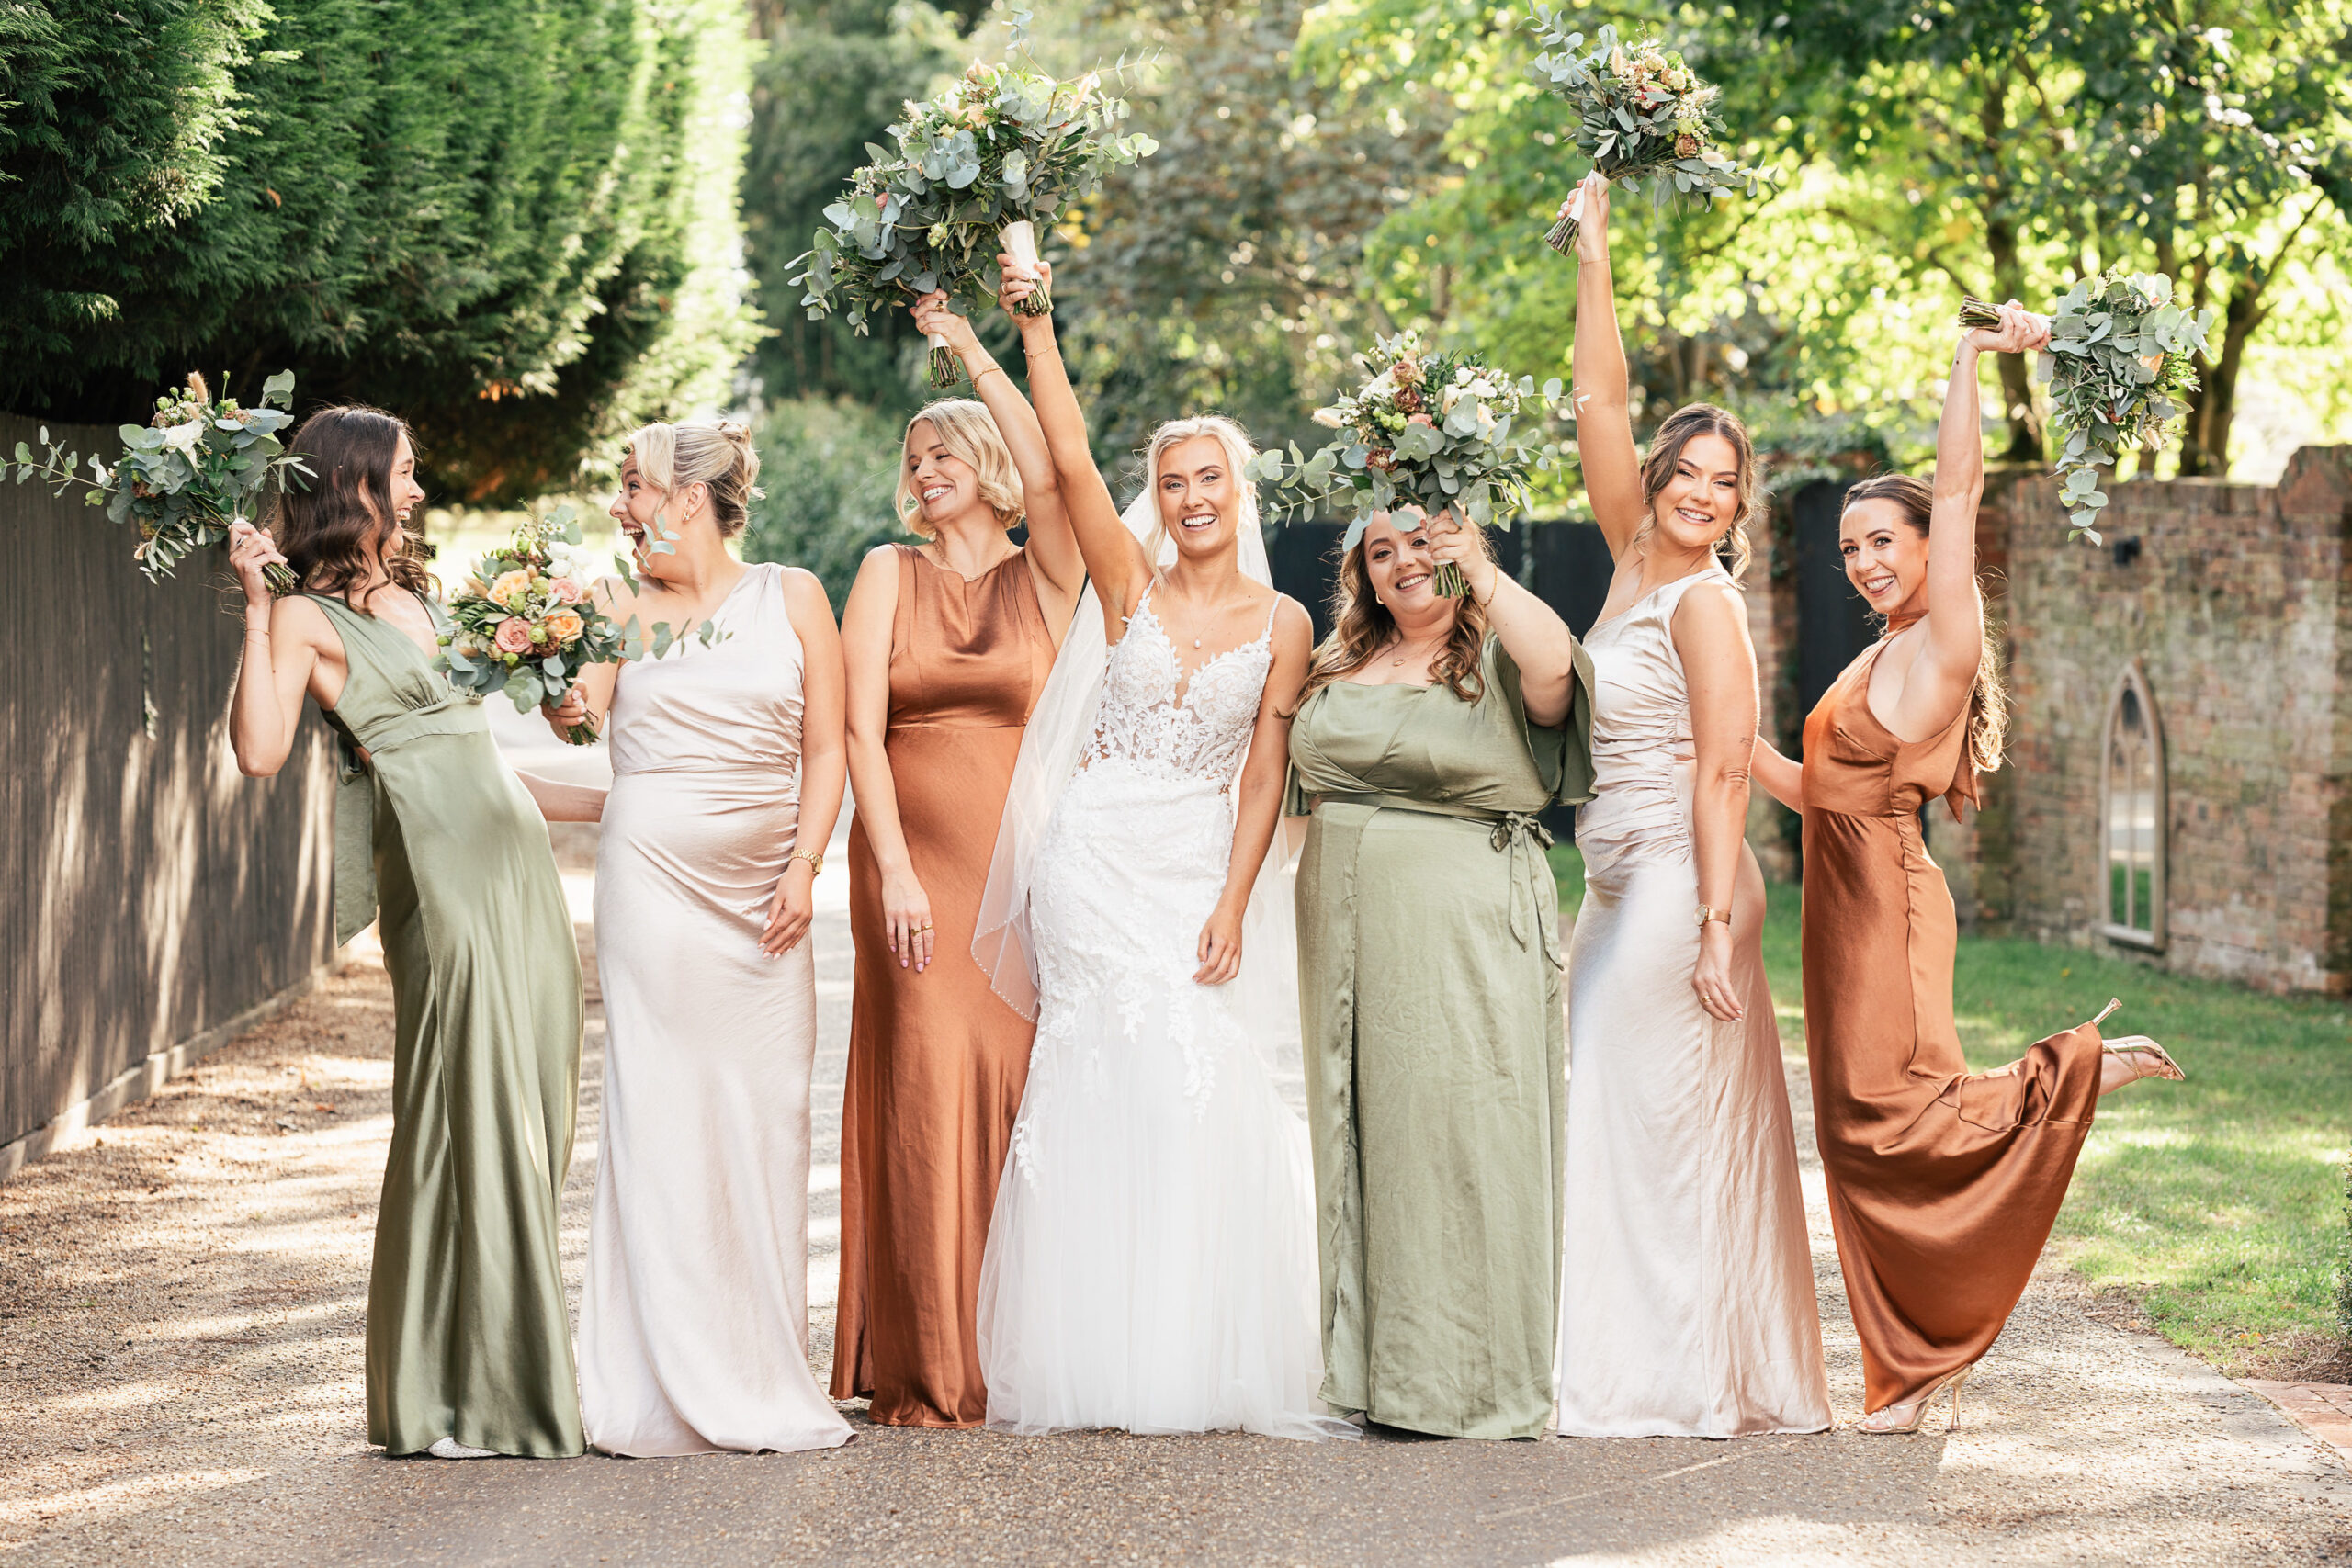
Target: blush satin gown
[[693, 1319], [1686, 1303], [1943, 1183]]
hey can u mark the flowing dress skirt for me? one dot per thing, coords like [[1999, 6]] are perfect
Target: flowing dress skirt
[[1152, 1262], [694, 1321]]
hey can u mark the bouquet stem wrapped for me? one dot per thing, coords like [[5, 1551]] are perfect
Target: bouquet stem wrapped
[[186, 475], [1641, 114], [2117, 365], [1428, 429]]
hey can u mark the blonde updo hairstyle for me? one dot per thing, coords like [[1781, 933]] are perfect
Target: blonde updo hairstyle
[[968, 431], [715, 453], [1679, 429]]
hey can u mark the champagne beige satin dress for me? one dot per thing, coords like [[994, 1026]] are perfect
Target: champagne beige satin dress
[[1943, 1183], [937, 1060], [1687, 1301], [693, 1319], [467, 1334]]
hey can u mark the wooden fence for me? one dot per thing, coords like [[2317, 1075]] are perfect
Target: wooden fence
[[152, 900]]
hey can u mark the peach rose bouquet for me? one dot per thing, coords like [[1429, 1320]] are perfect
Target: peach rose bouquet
[[527, 624]]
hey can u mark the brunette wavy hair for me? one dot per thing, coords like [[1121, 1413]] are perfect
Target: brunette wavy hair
[[1361, 625], [325, 525], [1988, 700], [1679, 428]]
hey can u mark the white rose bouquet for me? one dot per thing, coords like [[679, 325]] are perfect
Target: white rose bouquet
[[1642, 113], [1436, 429], [2117, 365]]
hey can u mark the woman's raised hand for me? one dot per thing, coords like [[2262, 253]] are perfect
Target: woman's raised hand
[[1453, 540], [937, 318], [251, 554], [906, 915], [1589, 204], [1021, 280], [2019, 330]]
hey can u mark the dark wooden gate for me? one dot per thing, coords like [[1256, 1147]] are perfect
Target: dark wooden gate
[[1834, 623], [150, 896]]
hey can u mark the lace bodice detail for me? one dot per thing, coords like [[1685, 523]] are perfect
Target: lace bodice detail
[[1152, 718]]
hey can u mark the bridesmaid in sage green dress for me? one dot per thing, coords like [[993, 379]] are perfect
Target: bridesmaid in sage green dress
[[468, 1352], [1432, 732]]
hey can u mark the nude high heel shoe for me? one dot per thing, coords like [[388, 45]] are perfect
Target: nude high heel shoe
[[2153, 1060], [1919, 1408]]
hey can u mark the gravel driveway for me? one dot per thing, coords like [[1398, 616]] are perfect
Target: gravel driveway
[[181, 1293]]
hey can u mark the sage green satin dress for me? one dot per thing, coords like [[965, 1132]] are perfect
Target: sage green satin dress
[[1429, 1002], [467, 1332]]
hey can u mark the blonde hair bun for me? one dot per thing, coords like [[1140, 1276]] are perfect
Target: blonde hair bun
[[718, 454]]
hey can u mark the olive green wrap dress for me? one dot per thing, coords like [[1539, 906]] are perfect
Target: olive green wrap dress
[[1436, 1068], [467, 1332]]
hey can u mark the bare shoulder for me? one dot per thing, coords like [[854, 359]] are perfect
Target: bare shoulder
[[618, 595], [1712, 618], [299, 618], [1293, 628], [804, 593]]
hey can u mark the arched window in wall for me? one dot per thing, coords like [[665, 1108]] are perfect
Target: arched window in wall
[[2132, 815]]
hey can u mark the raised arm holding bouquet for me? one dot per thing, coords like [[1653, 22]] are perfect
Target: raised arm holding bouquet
[[1641, 114], [1432, 429], [2118, 364], [1005, 149], [188, 476]]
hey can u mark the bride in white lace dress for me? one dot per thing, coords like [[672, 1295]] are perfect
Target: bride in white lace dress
[[1150, 1264]]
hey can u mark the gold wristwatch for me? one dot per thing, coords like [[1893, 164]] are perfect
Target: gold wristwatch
[[1706, 914], [816, 862]]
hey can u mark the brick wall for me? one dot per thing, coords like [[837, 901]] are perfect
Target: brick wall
[[2232, 598]]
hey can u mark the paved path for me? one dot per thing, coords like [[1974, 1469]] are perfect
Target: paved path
[[180, 1298]]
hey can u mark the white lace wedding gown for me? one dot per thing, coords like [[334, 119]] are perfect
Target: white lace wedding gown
[[1152, 1262]]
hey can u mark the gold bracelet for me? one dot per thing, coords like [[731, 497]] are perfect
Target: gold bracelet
[[1707, 914], [816, 862], [992, 365]]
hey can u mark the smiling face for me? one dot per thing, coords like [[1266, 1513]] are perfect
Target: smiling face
[[944, 485], [1199, 495], [1885, 557], [1399, 567], [1700, 499], [407, 496], [639, 509]]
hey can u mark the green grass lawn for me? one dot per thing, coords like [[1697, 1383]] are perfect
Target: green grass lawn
[[2216, 1205]]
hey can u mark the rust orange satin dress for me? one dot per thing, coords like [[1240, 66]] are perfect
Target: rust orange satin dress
[[936, 1059], [1943, 1183]]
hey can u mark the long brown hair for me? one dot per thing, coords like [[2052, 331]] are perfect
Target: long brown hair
[[1988, 701], [325, 524], [1678, 430], [1360, 625]]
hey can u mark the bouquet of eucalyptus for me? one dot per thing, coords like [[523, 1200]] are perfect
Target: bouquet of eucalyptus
[[185, 475], [527, 622], [976, 170], [1641, 114], [1435, 430], [2117, 365]]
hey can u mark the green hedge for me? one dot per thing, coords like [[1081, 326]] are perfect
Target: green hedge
[[829, 467], [512, 223]]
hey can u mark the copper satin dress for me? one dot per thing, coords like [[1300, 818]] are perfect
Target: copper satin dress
[[937, 1060], [1943, 1183]]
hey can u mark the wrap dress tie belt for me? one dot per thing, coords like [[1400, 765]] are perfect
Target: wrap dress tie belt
[[1515, 833]]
